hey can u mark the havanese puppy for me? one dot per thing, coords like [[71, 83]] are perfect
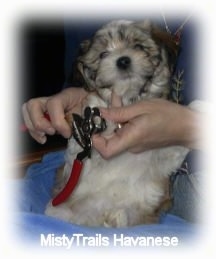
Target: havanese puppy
[[135, 60]]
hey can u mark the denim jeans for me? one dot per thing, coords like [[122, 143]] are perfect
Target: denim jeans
[[186, 190]]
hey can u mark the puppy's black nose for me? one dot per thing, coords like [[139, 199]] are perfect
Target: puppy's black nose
[[123, 62]]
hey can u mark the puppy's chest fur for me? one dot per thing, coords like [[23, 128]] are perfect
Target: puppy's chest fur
[[127, 189]]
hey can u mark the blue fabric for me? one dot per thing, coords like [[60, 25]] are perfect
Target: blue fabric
[[34, 191]]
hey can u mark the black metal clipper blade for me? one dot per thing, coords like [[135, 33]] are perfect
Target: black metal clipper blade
[[84, 128], [77, 130]]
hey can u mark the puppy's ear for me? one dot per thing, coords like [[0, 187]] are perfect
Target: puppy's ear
[[76, 76], [145, 25], [84, 47], [164, 39], [84, 72]]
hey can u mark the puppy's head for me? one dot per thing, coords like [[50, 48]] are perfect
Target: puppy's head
[[133, 59]]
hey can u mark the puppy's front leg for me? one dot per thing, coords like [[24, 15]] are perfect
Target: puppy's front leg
[[118, 218], [94, 100]]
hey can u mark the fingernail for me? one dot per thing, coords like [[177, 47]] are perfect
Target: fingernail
[[43, 140], [51, 131], [41, 134]]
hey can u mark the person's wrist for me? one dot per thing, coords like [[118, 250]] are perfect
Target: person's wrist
[[191, 133]]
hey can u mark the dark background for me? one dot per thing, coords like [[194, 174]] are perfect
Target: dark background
[[43, 47], [42, 74]]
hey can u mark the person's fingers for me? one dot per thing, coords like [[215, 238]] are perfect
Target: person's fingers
[[123, 114], [120, 141], [108, 147], [61, 105], [36, 123], [39, 137], [56, 110], [26, 118], [33, 113], [115, 100]]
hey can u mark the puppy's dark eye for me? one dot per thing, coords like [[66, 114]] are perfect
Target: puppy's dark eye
[[139, 46], [104, 54]]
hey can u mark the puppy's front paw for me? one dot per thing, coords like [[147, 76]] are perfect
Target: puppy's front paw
[[94, 101], [118, 218]]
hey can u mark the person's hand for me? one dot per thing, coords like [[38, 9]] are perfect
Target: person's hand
[[147, 125], [57, 106]]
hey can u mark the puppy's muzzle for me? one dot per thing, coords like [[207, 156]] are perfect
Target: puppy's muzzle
[[123, 62]]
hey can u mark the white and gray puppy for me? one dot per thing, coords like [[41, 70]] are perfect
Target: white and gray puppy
[[135, 60]]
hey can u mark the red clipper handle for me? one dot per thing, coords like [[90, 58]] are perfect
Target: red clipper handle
[[71, 184]]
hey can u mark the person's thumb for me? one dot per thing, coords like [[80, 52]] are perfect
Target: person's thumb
[[122, 114]]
